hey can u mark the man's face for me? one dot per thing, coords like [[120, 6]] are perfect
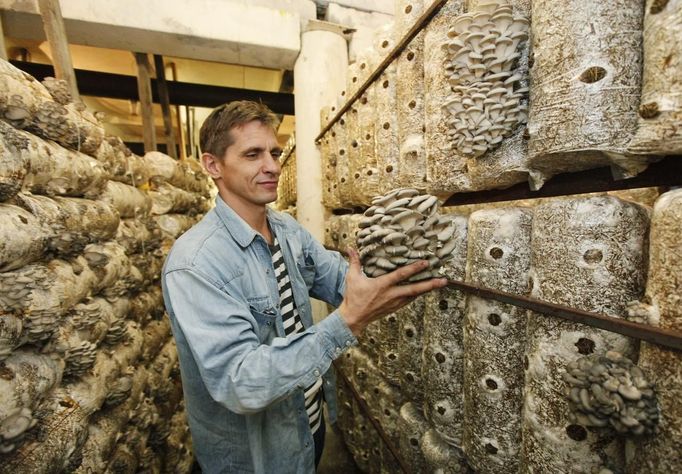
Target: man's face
[[248, 172]]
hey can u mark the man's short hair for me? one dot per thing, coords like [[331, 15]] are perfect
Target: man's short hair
[[215, 136]]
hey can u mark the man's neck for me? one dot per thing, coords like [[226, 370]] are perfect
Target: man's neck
[[254, 215]]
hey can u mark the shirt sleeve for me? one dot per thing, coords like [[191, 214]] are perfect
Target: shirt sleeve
[[238, 371]]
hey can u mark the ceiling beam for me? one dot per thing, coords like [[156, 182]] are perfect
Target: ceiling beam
[[120, 86]]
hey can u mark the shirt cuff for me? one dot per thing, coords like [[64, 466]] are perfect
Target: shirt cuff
[[338, 332]]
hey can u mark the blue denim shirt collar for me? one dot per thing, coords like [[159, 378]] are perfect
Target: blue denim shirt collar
[[241, 232]]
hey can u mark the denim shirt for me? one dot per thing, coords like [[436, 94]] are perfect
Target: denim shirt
[[243, 380]]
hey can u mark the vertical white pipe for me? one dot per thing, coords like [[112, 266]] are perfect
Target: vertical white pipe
[[319, 75]]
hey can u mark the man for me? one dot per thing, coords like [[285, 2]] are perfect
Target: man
[[255, 370]]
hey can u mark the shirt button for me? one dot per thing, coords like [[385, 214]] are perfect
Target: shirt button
[[348, 343], [316, 373], [307, 444]]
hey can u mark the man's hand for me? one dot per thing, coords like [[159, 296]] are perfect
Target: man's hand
[[367, 299]]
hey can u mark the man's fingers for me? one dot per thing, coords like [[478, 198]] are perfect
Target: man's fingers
[[354, 260], [419, 288], [403, 273]]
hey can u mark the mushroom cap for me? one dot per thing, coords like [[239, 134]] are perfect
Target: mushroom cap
[[395, 238], [386, 219], [456, 44], [497, 92], [420, 243], [408, 219], [488, 39], [419, 199], [397, 250], [481, 138], [415, 232], [373, 210], [462, 55], [460, 24], [395, 211], [474, 39], [398, 203], [519, 35], [426, 205], [502, 9], [502, 19], [478, 69], [488, 7], [496, 67], [522, 21], [385, 264], [407, 192], [480, 17]]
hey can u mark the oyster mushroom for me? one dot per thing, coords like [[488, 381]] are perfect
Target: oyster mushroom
[[482, 49], [611, 390], [409, 229]]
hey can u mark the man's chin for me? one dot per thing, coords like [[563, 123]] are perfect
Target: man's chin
[[269, 199]]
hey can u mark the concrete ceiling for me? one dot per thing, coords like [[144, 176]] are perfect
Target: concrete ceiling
[[230, 32], [238, 43]]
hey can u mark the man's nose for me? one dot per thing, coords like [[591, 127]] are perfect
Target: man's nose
[[272, 165]]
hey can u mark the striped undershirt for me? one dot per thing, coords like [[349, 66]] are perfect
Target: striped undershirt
[[292, 325]]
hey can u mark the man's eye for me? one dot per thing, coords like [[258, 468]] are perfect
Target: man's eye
[[276, 154]]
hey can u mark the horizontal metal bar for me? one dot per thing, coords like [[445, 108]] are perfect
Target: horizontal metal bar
[[120, 86], [375, 423], [419, 25], [652, 334], [667, 172]]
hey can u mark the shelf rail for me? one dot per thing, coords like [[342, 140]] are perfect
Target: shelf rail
[[655, 335], [662, 337], [666, 172], [375, 423]]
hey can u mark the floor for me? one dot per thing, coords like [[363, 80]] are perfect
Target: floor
[[336, 458]]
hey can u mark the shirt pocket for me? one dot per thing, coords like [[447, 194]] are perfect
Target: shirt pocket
[[306, 266], [266, 317]]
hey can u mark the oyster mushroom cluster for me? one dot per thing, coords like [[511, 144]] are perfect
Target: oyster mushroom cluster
[[17, 286], [487, 103], [611, 390], [120, 390], [117, 332], [403, 227], [79, 358], [58, 89]]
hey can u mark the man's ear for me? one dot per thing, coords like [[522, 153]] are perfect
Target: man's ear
[[211, 165]]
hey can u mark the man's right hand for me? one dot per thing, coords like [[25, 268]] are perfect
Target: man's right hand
[[367, 299]]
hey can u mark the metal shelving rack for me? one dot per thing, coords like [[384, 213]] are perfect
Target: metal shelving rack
[[665, 173]]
